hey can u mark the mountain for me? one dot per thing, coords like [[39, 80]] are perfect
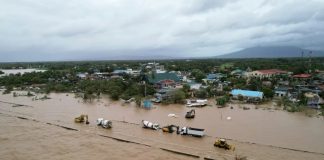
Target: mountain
[[272, 52]]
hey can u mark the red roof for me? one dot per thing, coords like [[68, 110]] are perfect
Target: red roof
[[302, 76], [167, 81], [271, 71]]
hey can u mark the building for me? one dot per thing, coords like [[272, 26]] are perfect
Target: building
[[82, 75], [213, 77], [164, 80], [281, 91], [126, 71], [302, 76], [119, 72], [267, 73], [194, 85], [246, 94], [238, 73], [314, 100]]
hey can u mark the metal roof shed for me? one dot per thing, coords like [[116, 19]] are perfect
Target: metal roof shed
[[247, 93]]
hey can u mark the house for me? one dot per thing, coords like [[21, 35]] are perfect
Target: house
[[302, 76], [213, 77], [119, 72], [160, 95], [163, 94], [82, 75], [308, 88], [247, 94], [267, 83], [267, 73], [128, 71], [283, 83], [313, 100], [160, 71], [194, 85], [238, 73], [281, 91], [164, 80]]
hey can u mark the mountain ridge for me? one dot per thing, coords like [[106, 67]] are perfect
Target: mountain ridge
[[272, 52]]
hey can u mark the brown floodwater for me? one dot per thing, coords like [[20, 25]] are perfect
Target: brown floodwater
[[267, 127]]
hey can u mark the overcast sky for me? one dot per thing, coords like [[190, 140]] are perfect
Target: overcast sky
[[34, 30]]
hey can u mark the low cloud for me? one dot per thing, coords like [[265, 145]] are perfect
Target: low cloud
[[33, 30]]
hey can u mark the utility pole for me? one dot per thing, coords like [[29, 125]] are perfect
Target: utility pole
[[145, 89], [302, 58], [310, 62]]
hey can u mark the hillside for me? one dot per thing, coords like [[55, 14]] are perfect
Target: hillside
[[272, 52]]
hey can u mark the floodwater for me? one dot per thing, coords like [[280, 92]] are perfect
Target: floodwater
[[266, 128], [21, 71], [26, 140]]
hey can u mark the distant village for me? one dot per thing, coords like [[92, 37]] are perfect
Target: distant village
[[277, 83], [224, 83]]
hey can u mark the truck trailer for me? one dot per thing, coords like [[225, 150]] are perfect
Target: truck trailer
[[196, 132]]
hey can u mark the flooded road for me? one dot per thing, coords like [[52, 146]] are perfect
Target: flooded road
[[264, 127], [26, 140]]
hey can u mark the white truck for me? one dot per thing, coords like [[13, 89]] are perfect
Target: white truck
[[197, 103], [104, 123], [148, 124], [196, 132]]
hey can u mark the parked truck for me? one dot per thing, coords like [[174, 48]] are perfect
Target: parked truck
[[104, 123], [196, 132], [197, 103], [148, 124]]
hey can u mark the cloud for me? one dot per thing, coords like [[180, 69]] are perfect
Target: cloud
[[92, 29]]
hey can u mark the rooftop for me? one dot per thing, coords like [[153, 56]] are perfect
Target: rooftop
[[302, 76], [271, 71], [247, 93], [157, 77]]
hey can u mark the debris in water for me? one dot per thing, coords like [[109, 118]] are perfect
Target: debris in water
[[17, 105], [172, 115], [246, 108]]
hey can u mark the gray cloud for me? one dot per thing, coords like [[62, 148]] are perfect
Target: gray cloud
[[90, 29]]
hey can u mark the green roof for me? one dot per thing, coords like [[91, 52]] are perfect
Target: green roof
[[163, 76]]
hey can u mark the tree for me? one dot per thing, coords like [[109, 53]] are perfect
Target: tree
[[138, 100], [226, 88], [223, 100], [321, 94], [302, 99], [268, 93], [201, 93], [115, 92], [322, 110], [198, 75], [186, 90], [254, 84], [240, 97], [179, 96], [8, 90]]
